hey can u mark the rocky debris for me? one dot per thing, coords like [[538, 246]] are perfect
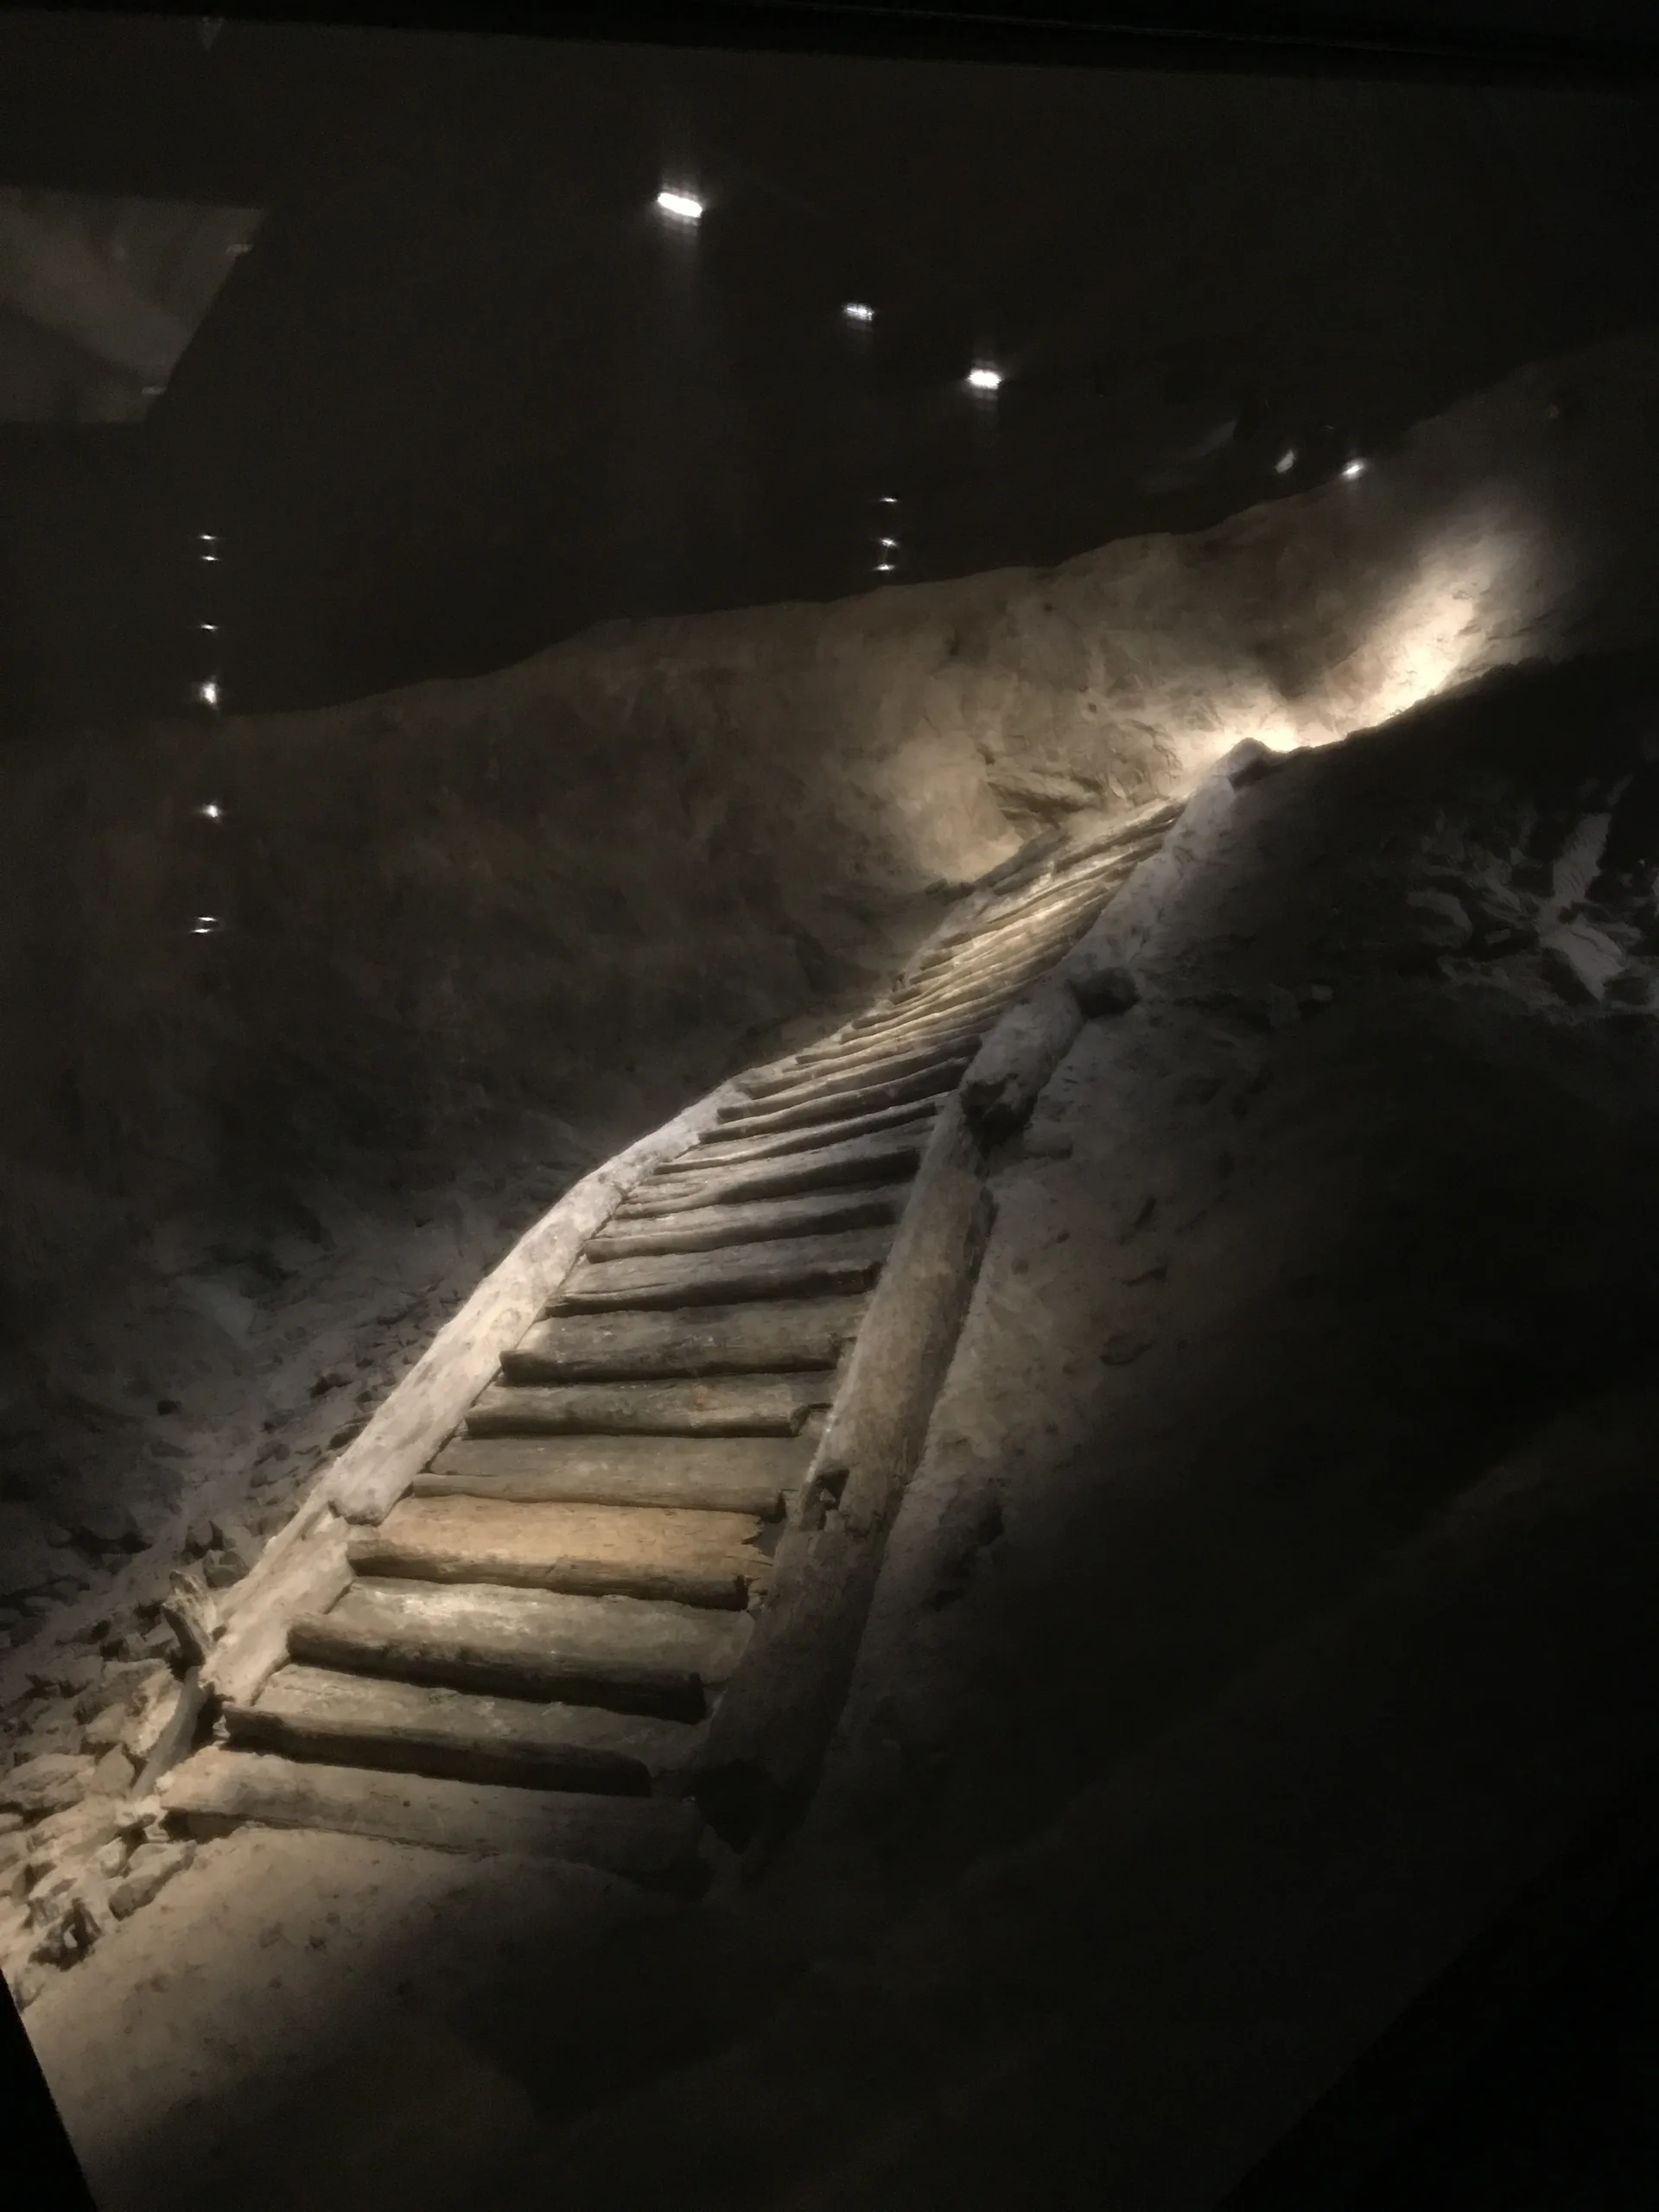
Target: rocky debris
[[1438, 919], [149, 1870], [1249, 762], [1098, 980], [45, 1784], [1582, 962]]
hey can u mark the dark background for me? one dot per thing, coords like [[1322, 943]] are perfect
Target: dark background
[[468, 393]]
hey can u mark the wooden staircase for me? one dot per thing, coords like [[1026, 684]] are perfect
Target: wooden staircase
[[524, 1653]]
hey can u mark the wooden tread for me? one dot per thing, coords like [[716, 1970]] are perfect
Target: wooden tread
[[706, 1228], [739, 1474], [824, 1107], [763, 1336], [633, 1655], [721, 1405], [694, 1557], [650, 1839], [420, 1728], [795, 1267]]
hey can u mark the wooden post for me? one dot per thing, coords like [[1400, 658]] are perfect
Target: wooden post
[[775, 1718]]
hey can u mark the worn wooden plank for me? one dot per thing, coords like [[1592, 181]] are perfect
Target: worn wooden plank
[[911, 1116], [1017, 1059], [694, 1557], [785, 1267], [859, 1062], [826, 1109], [911, 1029], [311, 1712], [769, 1334], [311, 1573], [633, 1655], [707, 1228], [830, 1165], [719, 1405], [991, 971], [774, 1721], [652, 1841], [737, 1474]]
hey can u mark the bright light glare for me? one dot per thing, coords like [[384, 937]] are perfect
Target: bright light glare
[[855, 311], [681, 204], [887, 500], [891, 544], [1286, 461], [210, 810], [210, 625], [208, 693], [210, 557], [204, 925], [1354, 468], [884, 564], [207, 537], [984, 379]]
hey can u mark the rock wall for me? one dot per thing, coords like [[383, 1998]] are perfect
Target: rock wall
[[465, 937]]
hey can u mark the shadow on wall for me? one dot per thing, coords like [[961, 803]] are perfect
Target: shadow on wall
[[1361, 1196]]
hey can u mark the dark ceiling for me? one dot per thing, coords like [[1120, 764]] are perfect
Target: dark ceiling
[[470, 393]]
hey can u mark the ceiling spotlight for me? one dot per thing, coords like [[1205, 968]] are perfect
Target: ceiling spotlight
[[984, 379], [208, 693], [1286, 461], [855, 311], [681, 204], [1355, 468], [210, 810]]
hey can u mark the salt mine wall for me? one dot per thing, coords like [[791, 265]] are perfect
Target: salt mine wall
[[276, 1072]]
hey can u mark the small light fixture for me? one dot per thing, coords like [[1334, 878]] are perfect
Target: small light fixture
[[855, 311], [205, 925], [207, 536], [984, 379], [210, 557], [887, 500], [1355, 468], [210, 810], [681, 204], [1286, 461], [209, 625], [891, 544], [208, 693], [883, 566]]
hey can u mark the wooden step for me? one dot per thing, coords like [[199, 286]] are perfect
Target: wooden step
[[766, 1336], [650, 1839], [911, 1031], [794, 1266], [633, 1655], [858, 1061], [707, 1228], [825, 1109], [737, 1474], [830, 1164], [723, 1405], [415, 1728], [693, 1557], [720, 1152]]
